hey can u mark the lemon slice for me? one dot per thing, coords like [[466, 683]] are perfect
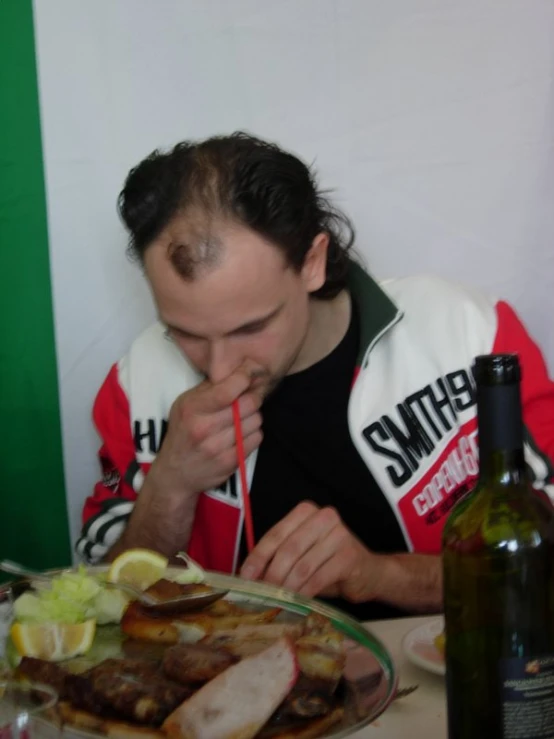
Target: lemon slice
[[53, 641], [138, 567]]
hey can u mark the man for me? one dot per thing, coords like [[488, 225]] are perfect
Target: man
[[356, 400]]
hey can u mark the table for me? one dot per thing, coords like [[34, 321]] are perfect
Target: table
[[421, 715]]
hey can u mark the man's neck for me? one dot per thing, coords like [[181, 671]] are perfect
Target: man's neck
[[329, 321]]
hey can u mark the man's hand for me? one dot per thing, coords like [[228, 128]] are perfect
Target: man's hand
[[199, 451], [312, 552]]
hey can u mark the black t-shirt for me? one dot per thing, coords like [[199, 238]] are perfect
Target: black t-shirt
[[307, 454]]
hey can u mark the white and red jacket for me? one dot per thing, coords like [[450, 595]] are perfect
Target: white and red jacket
[[412, 414]]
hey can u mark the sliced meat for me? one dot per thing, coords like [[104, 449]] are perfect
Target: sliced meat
[[130, 689], [144, 650], [42, 671], [79, 691], [240, 700], [136, 689], [247, 640], [195, 663]]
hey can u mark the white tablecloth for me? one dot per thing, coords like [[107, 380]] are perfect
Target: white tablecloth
[[421, 715]]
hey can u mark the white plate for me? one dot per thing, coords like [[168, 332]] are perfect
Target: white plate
[[419, 646]]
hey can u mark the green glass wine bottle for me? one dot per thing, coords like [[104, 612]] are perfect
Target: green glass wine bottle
[[498, 560]]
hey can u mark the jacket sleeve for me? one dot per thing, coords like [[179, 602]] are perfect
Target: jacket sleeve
[[106, 511], [537, 396]]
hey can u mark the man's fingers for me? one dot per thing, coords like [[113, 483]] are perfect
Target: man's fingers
[[326, 580], [304, 550], [219, 441], [249, 402], [220, 396], [306, 572], [257, 561], [252, 441]]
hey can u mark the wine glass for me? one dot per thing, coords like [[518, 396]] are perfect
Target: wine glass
[[26, 711]]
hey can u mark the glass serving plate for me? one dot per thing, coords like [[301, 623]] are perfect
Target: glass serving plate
[[369, 675]]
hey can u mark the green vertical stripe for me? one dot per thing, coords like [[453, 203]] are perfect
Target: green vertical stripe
[[33, 510]]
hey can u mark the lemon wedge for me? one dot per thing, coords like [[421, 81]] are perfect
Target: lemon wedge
[[138, 567], [53, 641]]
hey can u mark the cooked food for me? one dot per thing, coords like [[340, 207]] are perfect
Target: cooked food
[[123, 688], [136, 690], [42, 671], [227, 671], [320, 659], [245, 641], [307, 699], [195, 663], [140, 623], [219, 709]]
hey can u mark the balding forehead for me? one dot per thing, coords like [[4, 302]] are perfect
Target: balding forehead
[[193, 244]]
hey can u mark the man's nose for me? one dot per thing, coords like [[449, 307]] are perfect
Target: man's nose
[[222, 362]]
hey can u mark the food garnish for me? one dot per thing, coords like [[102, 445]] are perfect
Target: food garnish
[[140, 568], [53, 641], [71, 598]]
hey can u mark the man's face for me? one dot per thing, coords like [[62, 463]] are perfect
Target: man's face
[[247, 304]]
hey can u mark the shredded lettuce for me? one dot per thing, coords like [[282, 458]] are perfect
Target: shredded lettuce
[[109, 606], [73, 597]]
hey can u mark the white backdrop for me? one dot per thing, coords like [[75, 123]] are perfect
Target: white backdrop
[[433, 121]]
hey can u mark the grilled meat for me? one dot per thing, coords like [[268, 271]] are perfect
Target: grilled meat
[[42, 671], [195, 663], [78, 690], [136, 690], [239, 701], [247, 640]]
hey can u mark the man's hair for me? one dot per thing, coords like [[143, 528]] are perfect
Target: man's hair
[[245, 179]]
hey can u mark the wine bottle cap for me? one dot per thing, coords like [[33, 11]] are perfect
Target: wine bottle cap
[[497, 369]]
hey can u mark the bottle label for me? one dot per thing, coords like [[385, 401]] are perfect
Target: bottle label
[[528, 697]]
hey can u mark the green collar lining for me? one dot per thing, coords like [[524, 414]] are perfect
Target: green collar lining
[[377, 311]]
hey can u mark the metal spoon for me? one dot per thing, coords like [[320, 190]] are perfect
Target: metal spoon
[[185, 602]]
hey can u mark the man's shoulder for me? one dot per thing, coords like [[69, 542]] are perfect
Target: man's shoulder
[[434, 297]]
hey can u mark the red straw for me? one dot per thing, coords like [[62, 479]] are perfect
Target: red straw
[[243, 482]]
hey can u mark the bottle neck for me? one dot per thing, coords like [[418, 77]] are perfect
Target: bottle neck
[[501, 455]]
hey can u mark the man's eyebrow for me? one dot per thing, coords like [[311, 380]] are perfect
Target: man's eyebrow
[[254, 324], [258, 321]]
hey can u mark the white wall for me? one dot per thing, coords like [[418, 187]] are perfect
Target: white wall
[[433, 119]]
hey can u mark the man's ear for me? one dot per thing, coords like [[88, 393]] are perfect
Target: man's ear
[[314, 269]]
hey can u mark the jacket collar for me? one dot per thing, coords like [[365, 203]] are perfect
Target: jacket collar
[[376, 310]]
